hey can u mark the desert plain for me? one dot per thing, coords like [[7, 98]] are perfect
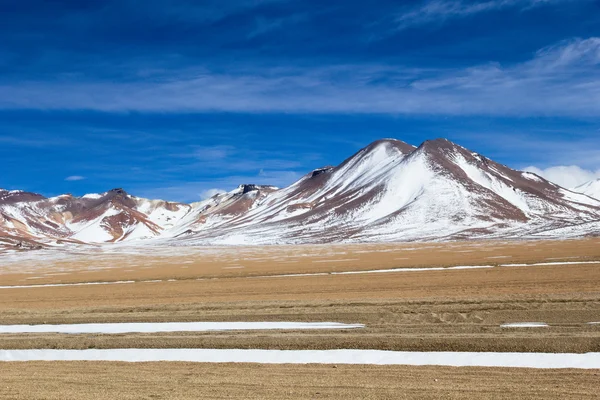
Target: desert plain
[[434, 297]]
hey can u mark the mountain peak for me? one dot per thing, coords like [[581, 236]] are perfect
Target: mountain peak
[[439, 143], [320, 171], [18, 196], [117, 191], [378, 151], [251, 187], [119, 197], [443, 151], [389, 143]]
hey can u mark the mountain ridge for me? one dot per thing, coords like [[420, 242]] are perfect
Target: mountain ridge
[[387, 191]]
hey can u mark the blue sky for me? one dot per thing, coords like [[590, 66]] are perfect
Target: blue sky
[[173, 99]]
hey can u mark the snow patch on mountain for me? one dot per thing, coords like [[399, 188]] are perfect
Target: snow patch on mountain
[[490, 182], [94, 231], [591, 189]]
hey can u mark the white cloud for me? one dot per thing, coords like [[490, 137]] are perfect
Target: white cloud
[[568, 176], [207, 194], [441, 10], [188, 191], [277, 178], [75, 178], [214, 153], [560, 80]]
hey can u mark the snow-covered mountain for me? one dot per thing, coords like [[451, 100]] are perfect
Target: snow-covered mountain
[[391, 190], [591, 188], [388, 191], [107, 217]]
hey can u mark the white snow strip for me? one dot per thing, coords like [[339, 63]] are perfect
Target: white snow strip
[[378, 271], [65, 284], [292, 275], [375, 357], [525, 325], [115, 328], [593, 323], [375, 271], [551, 263]]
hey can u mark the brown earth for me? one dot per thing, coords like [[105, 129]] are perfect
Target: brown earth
[[179, 381], [436, 325], [452, 310]]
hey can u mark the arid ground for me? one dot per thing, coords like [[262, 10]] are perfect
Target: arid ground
[[557, 283]]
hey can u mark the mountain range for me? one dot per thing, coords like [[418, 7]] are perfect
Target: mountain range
[[388, 191]]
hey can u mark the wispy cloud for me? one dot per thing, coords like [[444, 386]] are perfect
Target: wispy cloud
[[278, 178], [236, 159], [264, 26], [565, 143], [203, 189], [73, 178], [563, 80], [224, 167], [208, 193], [441, 10], [25, 141], [560, 80], [213, 153]]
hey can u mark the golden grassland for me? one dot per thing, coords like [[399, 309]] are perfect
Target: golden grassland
[[148, 263], [450, 310]]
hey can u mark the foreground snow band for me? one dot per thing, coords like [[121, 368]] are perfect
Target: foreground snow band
[[116, 328], [379, 271], [375, 357], [65, 284], [525, 325]]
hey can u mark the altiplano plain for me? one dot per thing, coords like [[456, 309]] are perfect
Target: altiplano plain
[[555, 283]]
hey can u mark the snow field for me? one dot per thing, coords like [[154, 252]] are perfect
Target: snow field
[[117, 328], [373, 357]]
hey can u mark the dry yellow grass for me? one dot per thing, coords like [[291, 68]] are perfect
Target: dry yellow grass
[[147, 263], [452, 310], [571, 281], [425, 310]]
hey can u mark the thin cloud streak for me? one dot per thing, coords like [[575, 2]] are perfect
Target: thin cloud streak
[[74, 178], [441, 10], [207, 194], [560, 80], [200, 190]]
